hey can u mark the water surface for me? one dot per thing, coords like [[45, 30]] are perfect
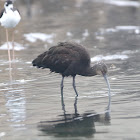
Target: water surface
[[31, 104]]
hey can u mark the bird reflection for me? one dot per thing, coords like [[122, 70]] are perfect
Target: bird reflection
[[74, 124], [16, 106]]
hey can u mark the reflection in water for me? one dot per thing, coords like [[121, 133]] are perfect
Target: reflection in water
[[15, 104], [74, 124], [10, 71], [107, 36]]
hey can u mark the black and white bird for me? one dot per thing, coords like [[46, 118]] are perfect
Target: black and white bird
[[9, 18]]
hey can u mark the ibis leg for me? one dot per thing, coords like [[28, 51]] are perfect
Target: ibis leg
[[75, 106], [74, 87], [62, 99], [62, 85], [62, 103]]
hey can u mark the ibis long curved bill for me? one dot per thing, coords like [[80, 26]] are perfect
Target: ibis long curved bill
[[108, 84]]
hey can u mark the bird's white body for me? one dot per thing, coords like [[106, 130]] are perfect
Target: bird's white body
[[10, 18]]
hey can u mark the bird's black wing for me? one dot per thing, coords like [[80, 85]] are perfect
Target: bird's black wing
[[58, 59], [65, 58], [1, 13], [15, 9], [38, 61], [52, 59]]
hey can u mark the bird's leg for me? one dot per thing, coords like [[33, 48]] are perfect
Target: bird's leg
[[75, 106], [13, 38], [13, 53], [62, 103], [74, 87], [9, 56], [8, 45], [62, 85], [62, 100], [10, 74]]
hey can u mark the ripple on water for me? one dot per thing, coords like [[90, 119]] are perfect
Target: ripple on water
[[33, 37], [121, 3], [125, 28], [125, 84], [119, 55]]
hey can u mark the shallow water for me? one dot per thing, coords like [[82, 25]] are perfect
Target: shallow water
[[31, 104]]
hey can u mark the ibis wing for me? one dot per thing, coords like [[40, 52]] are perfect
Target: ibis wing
[[57, 62], [65, 58]]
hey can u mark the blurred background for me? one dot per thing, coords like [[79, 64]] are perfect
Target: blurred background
[[31, 106]]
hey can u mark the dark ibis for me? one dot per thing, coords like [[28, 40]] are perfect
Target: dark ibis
[[9, 18], [70, 59]]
